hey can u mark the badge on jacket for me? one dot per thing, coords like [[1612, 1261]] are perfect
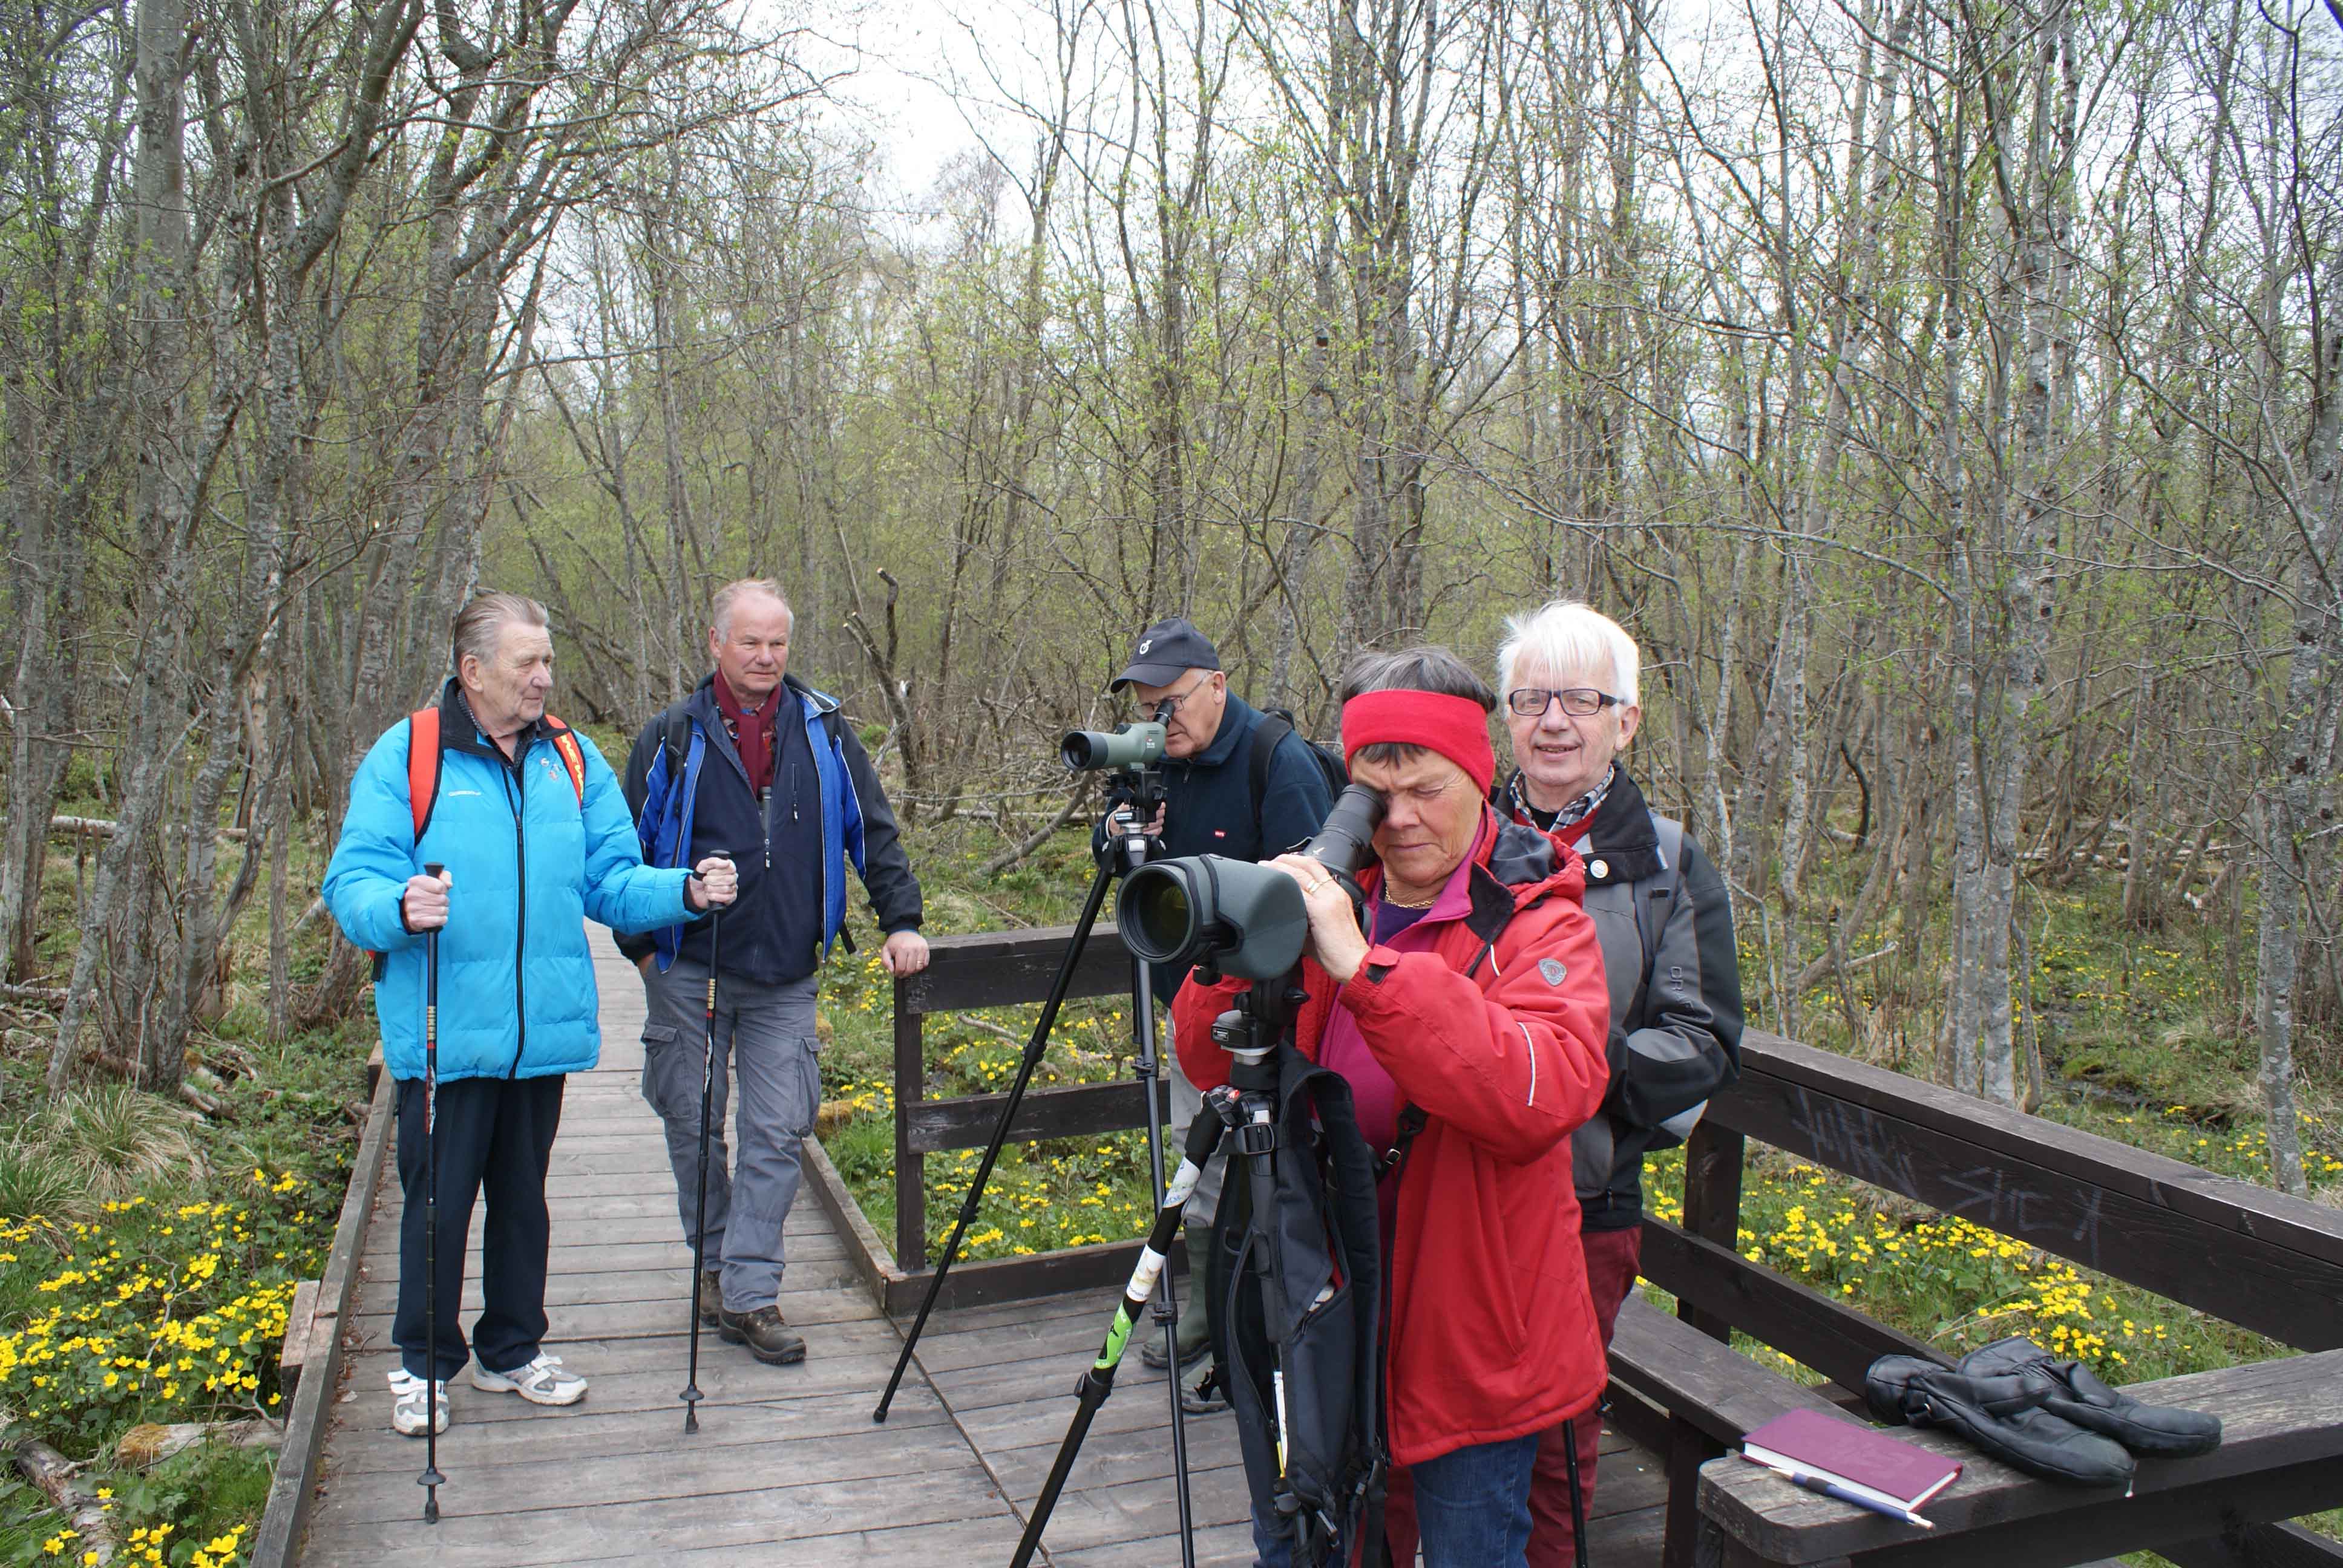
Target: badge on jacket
[[1555, 970]]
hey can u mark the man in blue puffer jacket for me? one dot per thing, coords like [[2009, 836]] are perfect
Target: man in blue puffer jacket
[[534, 837]]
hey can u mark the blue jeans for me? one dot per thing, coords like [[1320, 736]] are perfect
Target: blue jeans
[[1472, 1509]]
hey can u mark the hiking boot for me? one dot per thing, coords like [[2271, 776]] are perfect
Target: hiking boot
[[1193, 1347], [769, 1338], [407, 1395], [1204, 1396], [711, 1297], [540, 1382]]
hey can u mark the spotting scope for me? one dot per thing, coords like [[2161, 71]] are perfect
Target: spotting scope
[[1245, 920], [1131, 746]]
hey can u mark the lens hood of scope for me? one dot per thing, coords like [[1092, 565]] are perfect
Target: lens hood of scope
[[1248, 919]]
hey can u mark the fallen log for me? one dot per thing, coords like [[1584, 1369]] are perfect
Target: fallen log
[[53, 1473], [150, 1444]]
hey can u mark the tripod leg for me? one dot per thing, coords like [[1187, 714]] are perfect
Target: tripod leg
[[1578, 1498], [1034, 1047], [1098, 1378], [1143, 993]]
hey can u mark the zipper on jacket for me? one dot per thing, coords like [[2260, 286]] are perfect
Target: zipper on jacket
[[516, 786], [821, 860]]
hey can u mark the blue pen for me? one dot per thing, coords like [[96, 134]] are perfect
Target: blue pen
[[1811, 1482]]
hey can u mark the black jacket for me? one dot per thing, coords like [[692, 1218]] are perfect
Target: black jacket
[[1675, 980]]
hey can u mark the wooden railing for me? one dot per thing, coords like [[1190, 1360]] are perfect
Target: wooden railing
[[992, 969], [2244, 1253]]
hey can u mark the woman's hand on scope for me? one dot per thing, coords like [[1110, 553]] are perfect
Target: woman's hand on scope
[[1335, 941]]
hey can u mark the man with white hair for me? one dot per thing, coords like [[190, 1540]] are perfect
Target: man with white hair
[[755, 764], [1568, 678]]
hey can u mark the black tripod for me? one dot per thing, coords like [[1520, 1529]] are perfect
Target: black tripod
[[1135, 793], [1252, 1034], [1246, 1106]]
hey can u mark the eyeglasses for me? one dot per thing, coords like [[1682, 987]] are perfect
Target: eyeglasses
[[1176, 703], [1578, 701]]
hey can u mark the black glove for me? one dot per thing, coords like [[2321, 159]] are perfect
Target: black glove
[[2152, 1432], [2004, 1416]]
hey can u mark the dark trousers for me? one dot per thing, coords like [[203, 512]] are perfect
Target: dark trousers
[[493, 1136]]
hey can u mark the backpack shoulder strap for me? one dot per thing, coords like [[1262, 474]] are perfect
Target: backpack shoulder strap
[[1273, 728], [675, 737], [573, 756], [425, 755], [1661, 884]]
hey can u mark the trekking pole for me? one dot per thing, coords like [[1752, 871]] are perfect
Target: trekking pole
[[431, 1480], [1034, 1047], [691, 1395], [1098, 1378]]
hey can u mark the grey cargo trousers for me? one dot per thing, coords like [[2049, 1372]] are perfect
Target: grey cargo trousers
[[765, 1033]]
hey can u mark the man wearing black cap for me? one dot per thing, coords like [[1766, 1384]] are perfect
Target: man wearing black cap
[[1237, 782]]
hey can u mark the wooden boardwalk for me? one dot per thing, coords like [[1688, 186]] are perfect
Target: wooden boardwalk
[[787, 1468]]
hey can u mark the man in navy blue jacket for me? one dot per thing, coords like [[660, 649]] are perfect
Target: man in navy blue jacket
[[1232, 789], [758, 766]]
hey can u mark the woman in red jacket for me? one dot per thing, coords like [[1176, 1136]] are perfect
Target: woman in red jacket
[[1476, 996]]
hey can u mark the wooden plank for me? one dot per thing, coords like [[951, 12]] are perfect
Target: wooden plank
[[664, 1464], [997, 968], [2281, 1455], [2257, 1546], [2246, 1254], [1712, 1206], [911, 1171], [1804, 1325], [873, 1264], [1099, 1266], [1717, 1389], [933, 1126], [300, 1328], [286, 1515], [2240, 1208], [564, 1528]]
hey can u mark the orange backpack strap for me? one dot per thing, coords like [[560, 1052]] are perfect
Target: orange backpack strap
[[423, 759], [573, 756]]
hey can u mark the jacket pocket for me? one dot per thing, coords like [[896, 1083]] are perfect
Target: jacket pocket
[[663, 1060]]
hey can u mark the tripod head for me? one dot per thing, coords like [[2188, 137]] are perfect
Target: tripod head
[[1251, 1030]]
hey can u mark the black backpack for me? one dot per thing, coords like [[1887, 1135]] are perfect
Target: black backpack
[[1329, 1276], [1276, 724]]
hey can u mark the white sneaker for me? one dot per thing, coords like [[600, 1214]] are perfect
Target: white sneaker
[[406, 1394], [541, 1382]]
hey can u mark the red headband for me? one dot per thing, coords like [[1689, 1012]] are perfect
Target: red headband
[[1455, 727]]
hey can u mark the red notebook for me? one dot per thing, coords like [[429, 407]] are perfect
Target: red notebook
[[1863, 1459]]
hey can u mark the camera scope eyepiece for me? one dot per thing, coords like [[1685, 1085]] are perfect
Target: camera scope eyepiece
[[1247, 919], [1131, 746]]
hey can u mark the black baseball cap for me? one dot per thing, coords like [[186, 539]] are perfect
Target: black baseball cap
[[1164, 652]]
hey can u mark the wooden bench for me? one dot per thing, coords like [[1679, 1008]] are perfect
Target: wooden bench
[[2244, 1253], [2280, 1448], [2281, 1455]]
